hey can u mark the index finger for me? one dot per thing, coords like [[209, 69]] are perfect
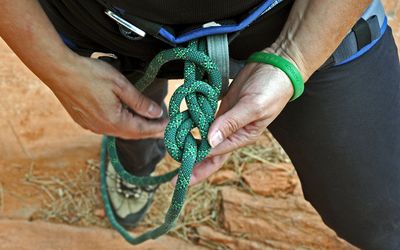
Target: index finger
[[227, 124], [235, 141]]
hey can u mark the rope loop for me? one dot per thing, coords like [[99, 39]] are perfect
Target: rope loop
[[200, 98], [200, 91]]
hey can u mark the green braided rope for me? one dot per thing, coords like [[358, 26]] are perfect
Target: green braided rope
[[201, 98]]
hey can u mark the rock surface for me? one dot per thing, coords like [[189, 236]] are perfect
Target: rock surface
[[37, 134], [23, 235], [271, 180], [273, 215], [278, 223], [232, 242], [223, 177]]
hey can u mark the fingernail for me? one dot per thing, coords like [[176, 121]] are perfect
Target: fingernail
[[155, 111], [173, 181], [216, 139]]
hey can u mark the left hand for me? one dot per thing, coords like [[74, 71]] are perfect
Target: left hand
[[255, 98]]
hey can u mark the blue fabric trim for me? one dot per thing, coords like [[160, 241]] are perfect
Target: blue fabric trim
[[366, 47], [67, 41], [202, 32], [122, 11]]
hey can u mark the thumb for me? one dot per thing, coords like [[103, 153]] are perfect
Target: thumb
[[229, 122], [135, 100]]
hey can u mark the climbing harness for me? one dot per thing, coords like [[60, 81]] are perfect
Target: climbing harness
[[206, 76], [141, 27]]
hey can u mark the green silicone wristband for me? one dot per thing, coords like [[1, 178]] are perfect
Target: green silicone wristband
[[290, 70]]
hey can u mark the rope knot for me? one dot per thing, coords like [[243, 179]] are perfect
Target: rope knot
[[201, 99]]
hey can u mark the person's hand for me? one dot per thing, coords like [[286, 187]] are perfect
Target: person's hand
[[255, 98], [93, 93], [205, 168]]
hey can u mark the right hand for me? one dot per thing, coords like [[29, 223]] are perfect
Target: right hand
[[93, 93]]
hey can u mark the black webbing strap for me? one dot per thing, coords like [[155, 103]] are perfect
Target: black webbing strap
[[362, 33], [106, 4]]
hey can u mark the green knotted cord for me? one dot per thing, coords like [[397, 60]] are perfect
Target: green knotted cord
[[201, 99]]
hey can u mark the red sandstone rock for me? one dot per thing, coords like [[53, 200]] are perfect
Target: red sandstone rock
[[209, 235], [276, 222], [223, 176], [23, 235], [271, 180]]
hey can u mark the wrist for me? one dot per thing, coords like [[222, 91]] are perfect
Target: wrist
[[283, 65], [292, 55], [59, 69], [280, 79]]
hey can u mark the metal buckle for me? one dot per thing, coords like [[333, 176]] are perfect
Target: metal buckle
[[125, 23], [97, 55]]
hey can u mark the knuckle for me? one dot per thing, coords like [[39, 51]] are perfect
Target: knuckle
[[231, 125], [253, 138], [259, 108], [258, 111], [113, 121], [120, 78], [140, 128], [140, 102], [121, 83]]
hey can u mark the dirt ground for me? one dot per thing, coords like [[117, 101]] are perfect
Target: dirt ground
[[45, 157]]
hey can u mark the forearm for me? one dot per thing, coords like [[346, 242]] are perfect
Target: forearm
[[314, 30], [26, 29]]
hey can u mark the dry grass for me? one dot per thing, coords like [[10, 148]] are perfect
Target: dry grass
[[71, 199], [76, 199]]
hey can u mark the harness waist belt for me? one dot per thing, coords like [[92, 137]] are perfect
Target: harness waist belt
[[167, 34], [364, 34]]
